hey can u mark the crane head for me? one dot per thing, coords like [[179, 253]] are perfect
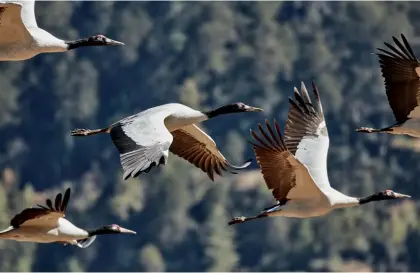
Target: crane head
[[389, 194], [102, 40]]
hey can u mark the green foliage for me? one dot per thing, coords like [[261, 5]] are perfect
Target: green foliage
[[205, 54]]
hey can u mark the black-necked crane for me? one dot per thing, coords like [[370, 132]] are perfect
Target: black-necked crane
[[21, 38], [47, 224], [401, 72], [145, 139], [295, 167]]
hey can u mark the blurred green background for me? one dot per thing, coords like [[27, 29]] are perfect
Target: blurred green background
[[206, 54]]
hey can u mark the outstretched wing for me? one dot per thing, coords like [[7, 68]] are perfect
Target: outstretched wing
[[43, 216], [143, 142], [28, 13], [306, 133], [401, 72], [198, 148], [283, 173], [12, 25]]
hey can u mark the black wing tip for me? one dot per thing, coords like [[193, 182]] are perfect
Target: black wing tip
[[58, 201], [126, 176], [401, 51], [314, 85], [315, 90], [66, 199], [402, 37], [68, 191], [263, 139], [295, 92], [132, 174]]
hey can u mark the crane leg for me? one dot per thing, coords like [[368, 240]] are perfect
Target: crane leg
[[243, 219], [373, 130], [367, 130], [89, 132]]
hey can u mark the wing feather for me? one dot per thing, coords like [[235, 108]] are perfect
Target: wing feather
[[306, 133], [198, 148], [65, 201], [12, 25], [140, 151], [58, 200], [282, 172], [43, 216], [400, 70], [49, 204]]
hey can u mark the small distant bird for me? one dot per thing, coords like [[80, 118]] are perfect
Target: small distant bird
[[401, 71], [295, 167], [145, 139], [21, 38], [48, 225]]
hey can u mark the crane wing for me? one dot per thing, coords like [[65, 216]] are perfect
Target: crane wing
[[143, 142], [12, 26], [285, 175], [401, 72], [306, 134], [28, 13], [194, 145], [43, 216]]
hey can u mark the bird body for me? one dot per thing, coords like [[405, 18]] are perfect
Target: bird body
[[64, 231], [401, 71], [145, 139], [410, 127], [21, 38], [48, 225], [305, 208], [294, 167], [163, 119]]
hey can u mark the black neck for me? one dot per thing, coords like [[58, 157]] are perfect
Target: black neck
[[100, 231], [371, 198], [78, 43], [227, 109]]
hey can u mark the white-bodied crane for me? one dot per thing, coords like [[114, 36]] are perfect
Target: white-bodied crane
[[295, 167], [401, 72], [21, 38], [47, 224], [145, 139]]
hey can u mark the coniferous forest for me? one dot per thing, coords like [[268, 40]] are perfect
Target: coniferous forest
[[204, 55]]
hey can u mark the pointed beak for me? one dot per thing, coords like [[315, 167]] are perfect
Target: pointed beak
[[113, 42], [127, 231], [400, 195], [254, 109]]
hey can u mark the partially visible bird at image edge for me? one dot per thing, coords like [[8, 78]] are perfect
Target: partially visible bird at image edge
[[46, 224], [401, 71], [21, 38]]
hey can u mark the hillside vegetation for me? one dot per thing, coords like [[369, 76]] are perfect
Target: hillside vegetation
[[206, 54]]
